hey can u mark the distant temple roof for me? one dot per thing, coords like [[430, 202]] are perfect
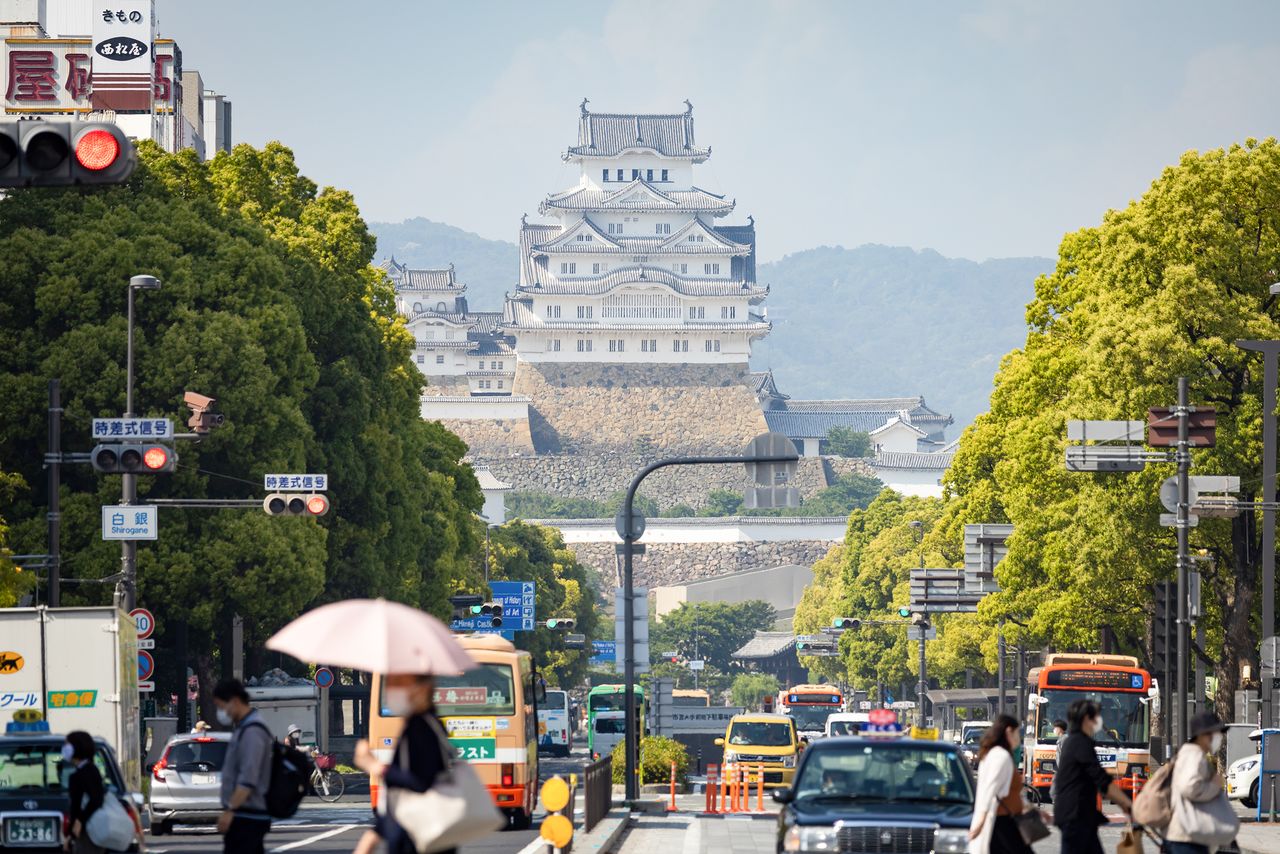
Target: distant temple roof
[[813, 419], [610, 134], [766, 645], [422, 279], [936, 461], [762, 383]]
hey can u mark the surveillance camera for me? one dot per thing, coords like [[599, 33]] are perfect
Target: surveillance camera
[[198, 402]]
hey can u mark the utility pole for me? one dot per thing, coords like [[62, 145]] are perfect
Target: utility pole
[[129, 482], [1001, 652], [923, 687], [1179, 696], [54, 463]]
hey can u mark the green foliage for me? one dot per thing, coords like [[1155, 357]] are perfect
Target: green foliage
[[14, 582], [268, 304], [712, 631], [850, 492], [565, 588], [749, 689], [1160, 289], [722, 502], [847, 442], [531, 504], [657, 752]]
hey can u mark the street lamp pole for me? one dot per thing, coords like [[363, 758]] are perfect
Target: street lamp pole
[[129, 482]]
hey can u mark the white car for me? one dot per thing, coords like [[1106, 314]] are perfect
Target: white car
[[1242, 781]]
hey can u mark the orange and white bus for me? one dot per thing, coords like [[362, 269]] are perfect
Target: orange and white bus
[[809, 706], [1122, 690], [491, 716]]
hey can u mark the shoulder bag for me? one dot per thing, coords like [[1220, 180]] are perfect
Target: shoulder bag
[[1213, 822], [1030, 822], [455, 810], [110, 827]]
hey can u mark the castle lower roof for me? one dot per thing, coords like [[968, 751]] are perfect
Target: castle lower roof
[[422, 279], [912, 461], [693, 200], [691, 286]]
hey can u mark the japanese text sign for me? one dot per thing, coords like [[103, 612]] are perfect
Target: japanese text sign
[[132, 429], [296, 482]]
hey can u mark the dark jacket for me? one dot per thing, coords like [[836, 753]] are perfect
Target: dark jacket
[[248, 764], [418, 760], [85, 780], [1078, 781]]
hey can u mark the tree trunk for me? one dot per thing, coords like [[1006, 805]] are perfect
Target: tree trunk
[[1237, 603]]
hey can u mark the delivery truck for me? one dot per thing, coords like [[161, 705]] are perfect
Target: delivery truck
[[79, 666]]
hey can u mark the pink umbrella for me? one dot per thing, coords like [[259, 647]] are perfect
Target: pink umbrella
[[373, 635]]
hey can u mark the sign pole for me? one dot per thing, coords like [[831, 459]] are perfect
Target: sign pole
[[1179, 696]]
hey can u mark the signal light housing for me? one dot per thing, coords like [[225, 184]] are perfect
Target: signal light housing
[[904, 612], [133, 458], [491, 610], [295, 504], [846, 623], [39, 153], [562, 624]]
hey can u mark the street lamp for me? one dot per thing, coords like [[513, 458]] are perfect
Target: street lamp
[[129, 482]]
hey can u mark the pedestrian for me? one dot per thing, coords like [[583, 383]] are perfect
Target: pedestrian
[[418, 758], [293, 736], [1059, 735], [85, 790], [1203, 820], [1080, 778], [200, 728], [999, 798], [246, 771]]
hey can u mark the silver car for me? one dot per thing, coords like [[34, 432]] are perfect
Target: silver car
[[186, 783]]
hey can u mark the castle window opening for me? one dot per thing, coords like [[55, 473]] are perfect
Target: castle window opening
[[440, 359], [664, 175], [640, 306], [555, 345], [422, 360], [606, 175], [648, 174]]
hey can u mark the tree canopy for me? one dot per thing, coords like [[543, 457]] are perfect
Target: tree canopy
[[847, 442], [711, 631]]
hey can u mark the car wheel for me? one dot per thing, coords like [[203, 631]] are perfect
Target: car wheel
[[1251, 802], [161, 828]]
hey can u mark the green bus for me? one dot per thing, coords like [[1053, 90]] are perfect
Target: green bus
[[611, 698]]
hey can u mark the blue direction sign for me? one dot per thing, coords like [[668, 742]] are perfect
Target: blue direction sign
[[603, 652], [473, 624], [517, 599]]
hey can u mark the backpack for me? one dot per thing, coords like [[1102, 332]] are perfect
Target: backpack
[[1153, 807], [290, 778]]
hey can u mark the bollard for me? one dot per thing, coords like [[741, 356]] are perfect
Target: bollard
[[713, 783], [724, 784], [760, 788], [744, 780], [672, 808]]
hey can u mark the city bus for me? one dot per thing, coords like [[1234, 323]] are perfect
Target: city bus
[[1122, 690], [611, 698], [691, 698], [809, 706], [491, 716]]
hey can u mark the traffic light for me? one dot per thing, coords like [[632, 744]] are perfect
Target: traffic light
[[562, 624], [295, 504], [492, 610], [846, 623], [462, 604], [904, 612], [39, 153], [133, 458]]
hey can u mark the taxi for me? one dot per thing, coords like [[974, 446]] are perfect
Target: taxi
[[763, 739]]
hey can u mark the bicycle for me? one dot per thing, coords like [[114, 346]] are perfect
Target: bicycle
[[327, 783]]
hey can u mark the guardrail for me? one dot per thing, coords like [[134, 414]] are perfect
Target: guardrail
[[597, 790]]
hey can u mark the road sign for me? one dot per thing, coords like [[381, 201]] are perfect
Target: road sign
[[323, 677], [146, 665], [984, 547], [1106, 431], [130, 522], [1270, 654], [770, 474], [1170, 520], [130, 429], [1197, 484], [1162, 427], [671, 654], [146, 643], [913, 633], [146, 687], [518, 600], [770, 497], [640, 628], [941, 590], [637, 524], [1105, 458], [575, 641], [145, 621], [295, 482], [697, 664]]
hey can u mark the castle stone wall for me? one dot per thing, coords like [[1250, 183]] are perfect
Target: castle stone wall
[[664, 564], [493, 438]]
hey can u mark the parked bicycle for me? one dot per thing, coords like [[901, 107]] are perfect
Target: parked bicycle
[[326, 782]]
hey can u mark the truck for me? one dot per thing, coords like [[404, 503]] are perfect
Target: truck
[[79, 668], [295, 703]]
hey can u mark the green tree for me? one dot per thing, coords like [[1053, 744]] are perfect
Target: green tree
[[711, 631], [14, 583], [847, 442], [850, 492], [722, 502], [749, 689], [1160, 289]]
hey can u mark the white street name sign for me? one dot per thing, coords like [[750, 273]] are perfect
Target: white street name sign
[[130, 522]]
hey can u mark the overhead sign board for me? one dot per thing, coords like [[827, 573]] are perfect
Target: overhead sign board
[[984, 547], [1106, 431], [295, 482], [640, 628], [130, 522], [131, 429], [518, 600], [1104, 458]]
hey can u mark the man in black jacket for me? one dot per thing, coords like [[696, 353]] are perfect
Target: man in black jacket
[[1079, 780]]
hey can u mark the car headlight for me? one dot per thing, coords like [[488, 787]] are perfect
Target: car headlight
[[822, 838], [730, 756], [1246, 765], [950, 840], [788, 762]]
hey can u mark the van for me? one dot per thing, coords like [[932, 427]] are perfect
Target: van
[[846, 723], [607, 729], [760, 739], [555, 730]]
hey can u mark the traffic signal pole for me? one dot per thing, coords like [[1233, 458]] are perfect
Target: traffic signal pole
[[923, 687], [1184, 555], [129, 482]]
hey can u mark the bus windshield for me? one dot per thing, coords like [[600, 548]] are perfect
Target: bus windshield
[[611, 702], [1124, 715], [555, 701], [811, 717], [486, 690]]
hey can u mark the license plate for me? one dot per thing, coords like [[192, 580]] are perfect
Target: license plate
[[203, 779], [31, 831], [1107, 760]]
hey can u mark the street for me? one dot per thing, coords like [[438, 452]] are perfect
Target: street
[[322, 827]]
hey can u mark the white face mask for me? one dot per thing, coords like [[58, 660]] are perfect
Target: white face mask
[[399, 701], [1098, 727], [224, 717], [1215, 744], [67, 752]]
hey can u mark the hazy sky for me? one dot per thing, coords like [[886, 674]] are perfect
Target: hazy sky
[[980, 129]]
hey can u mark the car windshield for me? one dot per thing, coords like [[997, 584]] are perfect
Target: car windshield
[[810, 717], [845, 727], [890, 772], [760, 734], [198, 755], [485, 690], [1124, 715], [38, 769], [972, 737], [555, 701]]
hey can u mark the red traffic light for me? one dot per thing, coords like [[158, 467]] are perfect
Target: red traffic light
[[155, 457], [317, 505], [97, 150]]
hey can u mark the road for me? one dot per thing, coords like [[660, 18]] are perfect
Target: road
[[320, 827]]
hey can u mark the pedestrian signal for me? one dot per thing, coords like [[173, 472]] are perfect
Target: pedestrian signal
[[131, 458], [40, 153]]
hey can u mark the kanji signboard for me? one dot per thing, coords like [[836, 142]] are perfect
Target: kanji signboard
[[122, 429], [130, 522], [296, 482]]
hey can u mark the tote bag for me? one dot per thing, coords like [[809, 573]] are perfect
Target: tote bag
[[110, 827], [455, 810], [1212, 822]]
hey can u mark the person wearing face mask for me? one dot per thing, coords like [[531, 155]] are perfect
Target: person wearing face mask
[[85, 790], [999, 797], [1203, 819], [1079, 780], [418, 759], [246, 771]]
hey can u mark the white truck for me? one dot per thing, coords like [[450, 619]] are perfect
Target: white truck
[[79, 666], [282, 705]]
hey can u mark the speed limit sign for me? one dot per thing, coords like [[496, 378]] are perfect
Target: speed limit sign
[[145, 621]]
